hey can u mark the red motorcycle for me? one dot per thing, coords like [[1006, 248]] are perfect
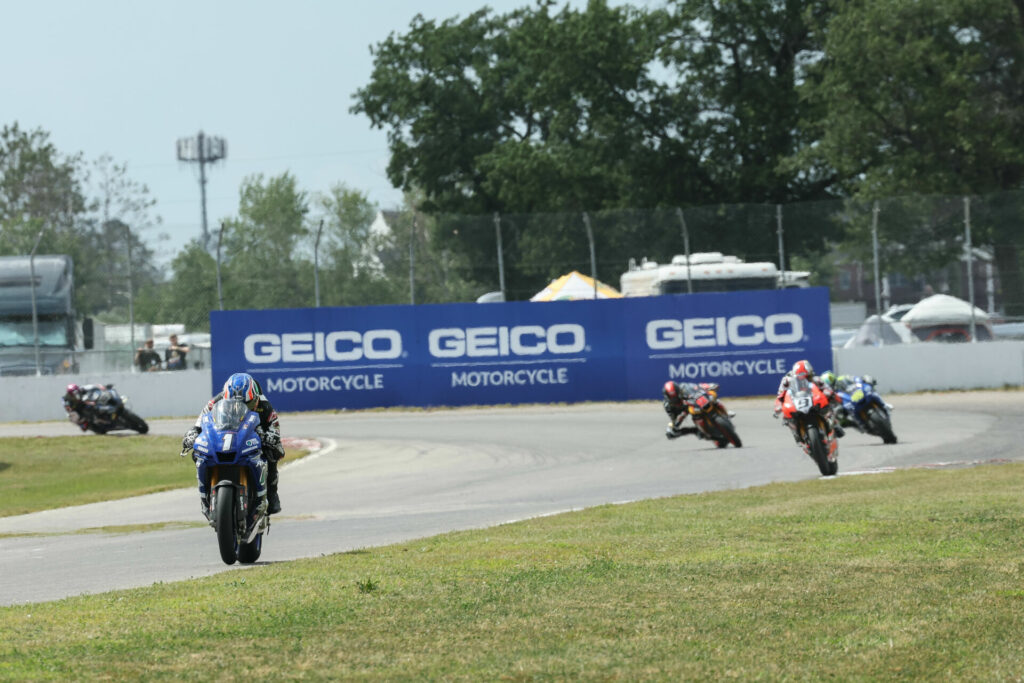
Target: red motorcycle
[[807, 412]]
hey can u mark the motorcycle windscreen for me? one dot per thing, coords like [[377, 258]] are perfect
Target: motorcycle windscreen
[[803, 396], [228, 414]]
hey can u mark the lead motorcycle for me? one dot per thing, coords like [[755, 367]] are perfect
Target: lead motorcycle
[[103, 410], [232, 476], [807, 413], [864, 409], [711, 418]]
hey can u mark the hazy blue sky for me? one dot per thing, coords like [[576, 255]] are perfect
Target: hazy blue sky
[[275, 79]]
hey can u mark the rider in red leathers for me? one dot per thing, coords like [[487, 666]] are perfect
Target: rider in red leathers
[[803, 369]]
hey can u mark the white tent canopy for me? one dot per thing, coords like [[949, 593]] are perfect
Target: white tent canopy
[[573, 286], [942, 309]]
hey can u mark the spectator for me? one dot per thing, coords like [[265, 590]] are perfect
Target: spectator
[[147, 359], [174, 356]]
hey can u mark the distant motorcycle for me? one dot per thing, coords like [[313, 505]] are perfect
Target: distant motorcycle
[[230, 466], [711, 418], [865, 410], [103, 410], [805, 409]]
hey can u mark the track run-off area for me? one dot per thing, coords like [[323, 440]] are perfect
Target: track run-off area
[[381, 477]]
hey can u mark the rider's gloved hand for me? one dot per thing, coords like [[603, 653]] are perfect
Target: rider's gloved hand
[[189, 439]]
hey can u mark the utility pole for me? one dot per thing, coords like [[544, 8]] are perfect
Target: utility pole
[[202, 149]]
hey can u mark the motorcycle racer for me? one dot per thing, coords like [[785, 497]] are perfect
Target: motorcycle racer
[[676, 402], [245, 387], [803, 369], [75, 404]]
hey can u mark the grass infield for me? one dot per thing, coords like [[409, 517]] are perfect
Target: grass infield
[[42, 473], [912, 575]]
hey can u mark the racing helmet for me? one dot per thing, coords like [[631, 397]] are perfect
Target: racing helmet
[[829, 378], [72, 391], [671, 392], [868, 379], [242, 385], [804, 369]]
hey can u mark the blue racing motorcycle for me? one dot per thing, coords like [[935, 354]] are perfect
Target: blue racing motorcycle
[[864, 409], [232, 477]]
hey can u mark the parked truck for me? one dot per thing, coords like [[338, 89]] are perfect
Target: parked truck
[[38, 326]]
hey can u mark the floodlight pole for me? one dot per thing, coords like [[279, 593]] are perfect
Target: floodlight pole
[[202, 149]]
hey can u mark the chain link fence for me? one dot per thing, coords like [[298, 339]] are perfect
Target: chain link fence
[[873, 255]]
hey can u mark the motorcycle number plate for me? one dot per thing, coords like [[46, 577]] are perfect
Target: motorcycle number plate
[[857, 396], [702, 401], [803, 403]]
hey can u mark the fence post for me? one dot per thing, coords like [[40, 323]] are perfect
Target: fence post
[[316, 265], [412, 261], [970, 265], [686, 249], [32, 287], [220, 238], [593, 253], [874, 252], [782, 254], [131, 291], [501, 258]]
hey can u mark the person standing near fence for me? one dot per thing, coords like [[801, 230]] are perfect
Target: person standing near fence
[[146, 358], [174, 356]]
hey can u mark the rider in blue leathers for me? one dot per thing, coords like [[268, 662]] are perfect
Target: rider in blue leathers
[[243, 386]]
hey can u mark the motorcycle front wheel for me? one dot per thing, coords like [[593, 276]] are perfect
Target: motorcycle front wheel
[[224, 524], [133, 421], [881, 425], [819, 451], [724, 426]]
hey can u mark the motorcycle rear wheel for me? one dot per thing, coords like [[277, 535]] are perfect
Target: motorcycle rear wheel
[[224, 524], [250, 552]]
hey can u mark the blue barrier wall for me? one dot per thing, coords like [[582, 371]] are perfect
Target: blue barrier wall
[[521, 352]]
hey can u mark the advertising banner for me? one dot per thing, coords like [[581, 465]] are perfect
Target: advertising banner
[[520, 352], [744, 341]]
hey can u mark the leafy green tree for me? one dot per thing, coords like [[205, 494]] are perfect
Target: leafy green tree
[[596, 109], [189, 294], [350, 272], [925, 99]]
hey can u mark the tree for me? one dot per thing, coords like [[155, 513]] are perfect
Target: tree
[[927, 99], [264, 250], [350, 273], [596, 109]]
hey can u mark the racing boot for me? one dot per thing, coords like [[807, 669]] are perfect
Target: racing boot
[[273, 501], [840, 432]]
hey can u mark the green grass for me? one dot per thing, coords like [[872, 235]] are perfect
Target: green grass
[[41, 473], [909, 576]]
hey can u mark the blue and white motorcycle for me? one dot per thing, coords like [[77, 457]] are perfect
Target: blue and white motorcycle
[[232, 476], [864, 409]]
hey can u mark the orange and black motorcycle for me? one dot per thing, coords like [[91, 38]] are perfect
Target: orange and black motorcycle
[[710, 416]]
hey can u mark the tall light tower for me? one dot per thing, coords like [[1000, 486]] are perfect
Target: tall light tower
[[204, 150]]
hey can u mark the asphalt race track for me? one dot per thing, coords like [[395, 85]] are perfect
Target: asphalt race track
[[384, 477]]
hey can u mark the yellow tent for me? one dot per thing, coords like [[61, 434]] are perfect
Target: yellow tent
[[573, 286]]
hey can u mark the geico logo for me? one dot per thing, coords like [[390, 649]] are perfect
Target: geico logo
[[308, 347], [740, 330], [520, 340]]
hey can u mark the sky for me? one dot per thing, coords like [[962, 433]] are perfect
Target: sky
[[274, 79]]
